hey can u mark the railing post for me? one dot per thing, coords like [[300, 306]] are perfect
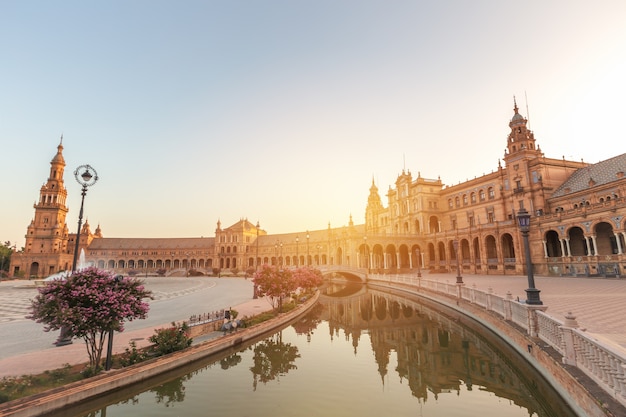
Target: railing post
[[569, 350], [508, 310], [489, 301], [533, 321]]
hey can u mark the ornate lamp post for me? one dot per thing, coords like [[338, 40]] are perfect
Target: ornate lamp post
[[318, 254], [419, 267], [257, 247], [532, 293], [367, 255], [87, 178], [307, 248], [297, 255], [256, 263], [459, 278]]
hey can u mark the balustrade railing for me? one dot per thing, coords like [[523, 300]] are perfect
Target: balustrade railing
[[601, 361]]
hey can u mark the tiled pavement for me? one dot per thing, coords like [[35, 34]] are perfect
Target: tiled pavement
[[599, 305]]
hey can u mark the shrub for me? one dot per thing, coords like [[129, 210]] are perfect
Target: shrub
[[132, 355], [171, 339]]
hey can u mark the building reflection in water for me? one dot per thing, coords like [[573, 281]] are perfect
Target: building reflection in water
[[435, 353], [325, 360]]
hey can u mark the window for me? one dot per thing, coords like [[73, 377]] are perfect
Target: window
[[482, 195], [457, 202], [465, 199], [492, 193], [450, 203], [473, 198]]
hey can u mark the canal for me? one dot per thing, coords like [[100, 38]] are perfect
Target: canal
[[359, 352]]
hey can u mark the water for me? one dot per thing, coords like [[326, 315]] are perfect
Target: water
[[359, 353]]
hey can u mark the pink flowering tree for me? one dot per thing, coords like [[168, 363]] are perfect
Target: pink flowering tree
[[308, 278], [274, 283], [88, 304]]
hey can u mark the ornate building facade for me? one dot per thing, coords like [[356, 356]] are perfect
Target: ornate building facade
[[578, 226]]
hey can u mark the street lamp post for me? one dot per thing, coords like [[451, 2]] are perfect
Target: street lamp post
[[318, 254], [297, 254], [417, 259], [307, 248], [459, 278], [256, 263], [532, 293], [367, 255], [87, 178]]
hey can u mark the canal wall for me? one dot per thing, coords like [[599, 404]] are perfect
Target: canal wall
[[107, 382], [579, 391]]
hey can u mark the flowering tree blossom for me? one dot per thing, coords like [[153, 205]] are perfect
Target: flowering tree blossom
[[278, 283], [274, 283], [308, 278], [88, 304]]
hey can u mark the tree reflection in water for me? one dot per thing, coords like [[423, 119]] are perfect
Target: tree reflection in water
[[272, 358], [171, 392]]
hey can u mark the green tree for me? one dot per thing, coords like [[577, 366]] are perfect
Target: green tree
[[6, 250], [88, 304], [274, 283]]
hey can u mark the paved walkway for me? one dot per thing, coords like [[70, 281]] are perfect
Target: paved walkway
[[14, 304], [599, 305]]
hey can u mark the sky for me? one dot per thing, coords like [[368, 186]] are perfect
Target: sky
[[284, 112]]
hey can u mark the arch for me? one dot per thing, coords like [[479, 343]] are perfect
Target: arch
[[508, 248], [553, 245], [491, 247], [391, 261], [605, 239], [405, 256], [577, 242], [442, 251], [34, 269], [433, 224], [339, 258], [464, 251], [377, 257]]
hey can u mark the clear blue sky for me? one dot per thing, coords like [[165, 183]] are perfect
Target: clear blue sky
[[284, 111]]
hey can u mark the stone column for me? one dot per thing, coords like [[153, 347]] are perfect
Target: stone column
[[569, 350], [619, 243], [595, 246]]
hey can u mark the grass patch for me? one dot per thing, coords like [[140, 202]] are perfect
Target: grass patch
[[12, 388]]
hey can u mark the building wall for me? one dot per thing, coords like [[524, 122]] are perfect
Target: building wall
[[578, 223]]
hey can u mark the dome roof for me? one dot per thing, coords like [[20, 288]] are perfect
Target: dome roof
[[58, 158]]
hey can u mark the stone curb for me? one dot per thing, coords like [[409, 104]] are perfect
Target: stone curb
[[74, 393]]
